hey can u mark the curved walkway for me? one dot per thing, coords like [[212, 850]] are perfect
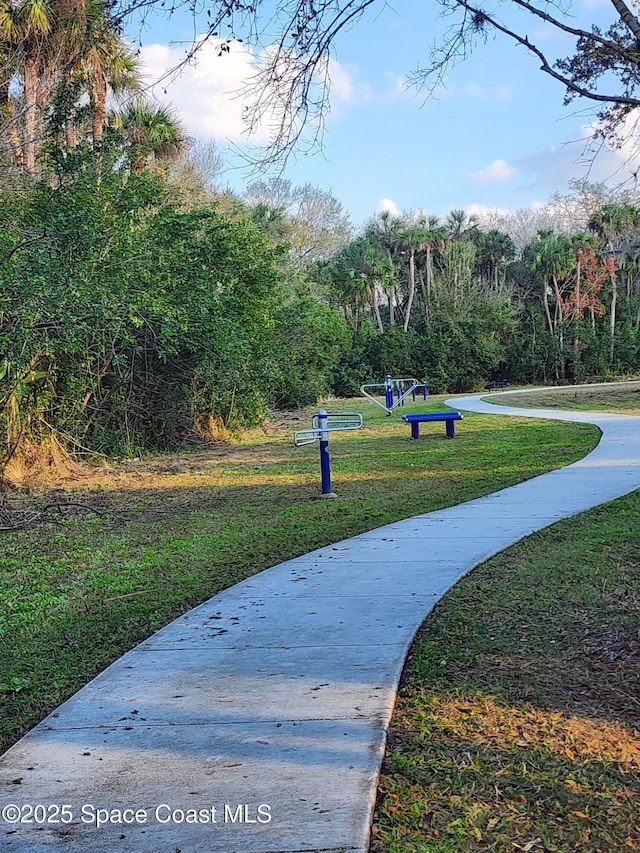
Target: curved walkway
[[256, 723]]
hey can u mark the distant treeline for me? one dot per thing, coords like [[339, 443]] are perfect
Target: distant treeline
[[139, 309]]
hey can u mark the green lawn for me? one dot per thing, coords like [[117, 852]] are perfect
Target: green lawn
[[622, 397], [78, 591], [517, 724]]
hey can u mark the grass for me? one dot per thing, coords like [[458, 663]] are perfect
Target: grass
[[622, 397], [77, 592], [517, 723]]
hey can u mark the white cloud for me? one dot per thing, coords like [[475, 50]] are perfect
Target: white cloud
[[207, 91], [386, 205], [584, 156], [497, 172], [473, 90], [342, 83], [505, 91], [204, 92]]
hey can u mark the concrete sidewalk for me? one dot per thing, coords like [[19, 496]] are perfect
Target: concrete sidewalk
[[256, 723]]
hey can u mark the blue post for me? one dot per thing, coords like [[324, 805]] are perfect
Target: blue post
[[388, 394], [325, 461], [425, 390]]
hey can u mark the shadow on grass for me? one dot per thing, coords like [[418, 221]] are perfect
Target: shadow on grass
[[76, 595]]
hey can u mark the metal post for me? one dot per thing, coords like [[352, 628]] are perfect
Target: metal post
[[388, 394], [325, 461]]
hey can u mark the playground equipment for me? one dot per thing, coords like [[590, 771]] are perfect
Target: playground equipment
[[321, 425], [395, 392]]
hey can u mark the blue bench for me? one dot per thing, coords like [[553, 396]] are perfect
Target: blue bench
[[447, 417]]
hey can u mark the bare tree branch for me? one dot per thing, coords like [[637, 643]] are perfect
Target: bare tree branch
[[546, 66], [295, 41]]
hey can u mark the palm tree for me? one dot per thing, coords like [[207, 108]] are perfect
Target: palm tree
[[52, 43], [611, 224], [102, 63], [413, 239], [435, 238], [386, 229], [364, 269], [26, 31], [495, 249], [461, 226], [550, 258], [152, 133]]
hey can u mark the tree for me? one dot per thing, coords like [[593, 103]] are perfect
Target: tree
[[293, 81], [153, 133], [368, 260], [70, 46], [358, 273], [461, 226], [436, 234], [414, 238], [494, 250], [103, 64], [27, 32], [387, 230], [125, 321], [549, 258], [612, 224], [318, 225]]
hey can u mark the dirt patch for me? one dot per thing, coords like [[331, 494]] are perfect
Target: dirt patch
[[130, 488]]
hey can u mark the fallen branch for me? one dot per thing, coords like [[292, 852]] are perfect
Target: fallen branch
[[45, 515]]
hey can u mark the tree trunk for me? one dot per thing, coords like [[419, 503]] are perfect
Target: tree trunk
[[424, 295], [6, 111], [545, 299], [30, 114], [578, 312], [614, 302], [556, 289], [99, 101], [71, 133], [412, 288], [376, 307]]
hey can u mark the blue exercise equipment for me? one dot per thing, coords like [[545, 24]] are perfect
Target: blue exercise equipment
[[321, 425], [395, 392]]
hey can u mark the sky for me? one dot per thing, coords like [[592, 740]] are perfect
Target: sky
[[496, 135]]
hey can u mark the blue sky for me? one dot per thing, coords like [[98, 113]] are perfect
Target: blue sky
[[497, 135]]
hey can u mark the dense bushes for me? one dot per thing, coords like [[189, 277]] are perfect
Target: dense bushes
[[126, 322]]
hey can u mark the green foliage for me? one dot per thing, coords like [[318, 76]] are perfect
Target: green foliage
[[126, 322], [354, 368], [311, 337]]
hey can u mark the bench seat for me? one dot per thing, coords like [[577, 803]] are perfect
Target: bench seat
[[426, 417]]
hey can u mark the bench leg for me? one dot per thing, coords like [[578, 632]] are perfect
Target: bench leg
[[451, 429], [415, 429]]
